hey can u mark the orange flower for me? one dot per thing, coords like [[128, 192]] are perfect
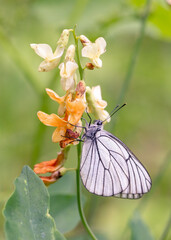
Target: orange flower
[[54, 166], [72, 106]]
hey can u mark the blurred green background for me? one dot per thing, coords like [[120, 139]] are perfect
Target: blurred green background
[[144, 124]]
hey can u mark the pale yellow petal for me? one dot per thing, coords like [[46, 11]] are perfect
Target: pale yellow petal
[[90, 51], [43, 50], [70, 53], [97, 62], [58, 52], [101, 104], [67, 69], [68, 83], [101, 43], [46, 65]]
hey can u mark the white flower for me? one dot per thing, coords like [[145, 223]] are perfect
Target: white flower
[[67, 70], [96, 104], [94, 50], [51, 60]]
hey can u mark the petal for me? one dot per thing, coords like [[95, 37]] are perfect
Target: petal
[[58, 52], [68, 83], [101, 43], [46, 65], [54, 96], [63, 40], [51, 120], [50, 166], [46, 166], [70, 53], [77, 106], [97, 62], [97, 92], [84, 40], [58, 134], [67, 69], [105, 115], [90, 51], [101, 104], [61, 109], [43, 50], [71, 67]]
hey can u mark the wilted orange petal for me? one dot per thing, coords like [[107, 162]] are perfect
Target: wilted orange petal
[[49, 166], [54, 96], [58, 134], [51, 120]]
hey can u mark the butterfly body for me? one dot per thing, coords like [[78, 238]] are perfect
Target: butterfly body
[[109, 168], [92, 129]]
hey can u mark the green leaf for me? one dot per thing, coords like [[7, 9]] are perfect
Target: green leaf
[[139, 230], [161, 19], [27, 210]]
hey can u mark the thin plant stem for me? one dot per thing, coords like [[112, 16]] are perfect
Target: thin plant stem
[[81, 70], [80, 208], [166, 229], [134, 56]]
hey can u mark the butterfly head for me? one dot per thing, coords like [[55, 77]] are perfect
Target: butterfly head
[[98, 122]]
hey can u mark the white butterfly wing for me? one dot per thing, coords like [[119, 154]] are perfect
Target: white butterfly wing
[[109, 168]]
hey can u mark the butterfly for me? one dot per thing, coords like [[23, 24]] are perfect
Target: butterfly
[[108, 167]]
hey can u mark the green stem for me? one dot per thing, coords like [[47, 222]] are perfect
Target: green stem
[[81, 70], [80, 209]]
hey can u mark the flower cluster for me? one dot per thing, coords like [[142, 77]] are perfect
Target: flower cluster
[[77, 97]]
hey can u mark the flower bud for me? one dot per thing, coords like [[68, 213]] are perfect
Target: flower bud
[[63, 40], [90, 66], [80, 89], [84, 40], [70, 53]]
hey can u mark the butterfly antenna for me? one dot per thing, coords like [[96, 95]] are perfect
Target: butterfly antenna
[[89, 117], [117, 108]]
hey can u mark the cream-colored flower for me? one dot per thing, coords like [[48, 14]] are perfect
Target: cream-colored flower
[[94, 50], [96, 104], [67, 70], [51, 60]]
